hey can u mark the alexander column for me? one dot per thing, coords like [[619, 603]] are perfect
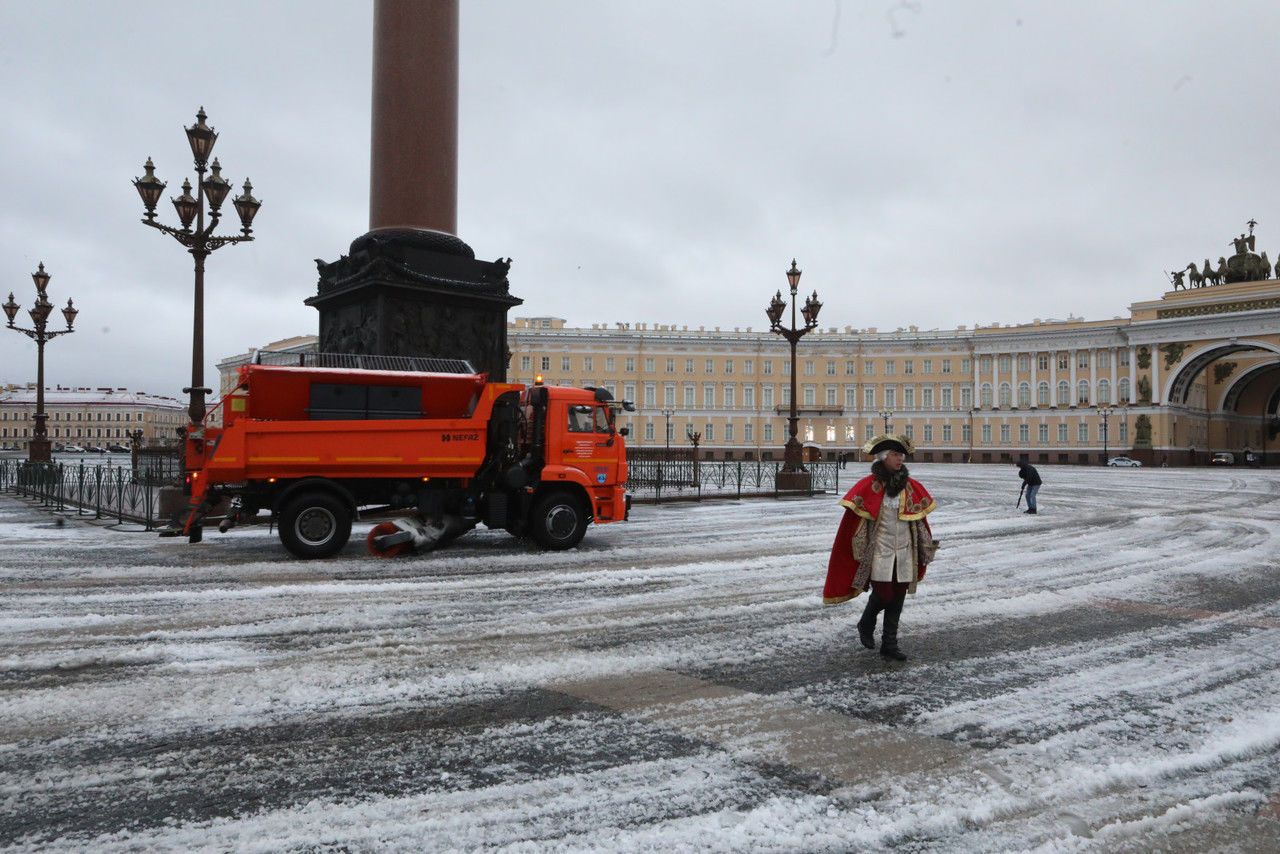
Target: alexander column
[[410, 286]]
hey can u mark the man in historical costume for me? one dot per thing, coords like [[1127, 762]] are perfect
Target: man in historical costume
[[884, 542]]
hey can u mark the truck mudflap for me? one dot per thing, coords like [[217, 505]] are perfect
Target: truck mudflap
[[388, 539]]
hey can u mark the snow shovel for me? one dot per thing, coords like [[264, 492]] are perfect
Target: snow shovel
[[1020, 491]]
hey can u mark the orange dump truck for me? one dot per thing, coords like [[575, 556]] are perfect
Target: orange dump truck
[[318, 447]]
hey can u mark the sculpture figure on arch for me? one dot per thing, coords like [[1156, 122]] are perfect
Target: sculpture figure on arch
[[1212, 276], [1195, 277]]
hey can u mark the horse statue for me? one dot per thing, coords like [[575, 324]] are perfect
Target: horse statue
[[1212, 276], [1266, 267], [1194, 275]]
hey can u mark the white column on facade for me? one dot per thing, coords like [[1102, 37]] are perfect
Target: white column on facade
[[1013, 379], [1114, 357], [1074, 356], [1093, 375], [1133, 373], [1035, 379], [1155, 374]]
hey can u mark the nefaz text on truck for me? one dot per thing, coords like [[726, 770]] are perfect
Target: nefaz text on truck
[[432, 452]]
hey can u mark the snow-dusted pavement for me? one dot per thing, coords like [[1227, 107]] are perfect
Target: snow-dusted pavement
[[1101, 677]]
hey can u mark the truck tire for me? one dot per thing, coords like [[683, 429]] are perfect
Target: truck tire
[[315, 525], [559, 521]]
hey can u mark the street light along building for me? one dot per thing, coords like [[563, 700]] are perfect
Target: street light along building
[[97, 416]]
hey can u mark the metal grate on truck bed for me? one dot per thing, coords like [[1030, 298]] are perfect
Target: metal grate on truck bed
[[422, 364]]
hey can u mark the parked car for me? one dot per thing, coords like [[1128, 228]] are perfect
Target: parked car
[[1123, 461], [73, 449], [1222, 458], [117, 449], [96, 449]]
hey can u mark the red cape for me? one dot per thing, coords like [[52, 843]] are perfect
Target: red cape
[[862, 503]]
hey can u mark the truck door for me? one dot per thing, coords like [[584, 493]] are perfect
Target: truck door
[[589, 442]]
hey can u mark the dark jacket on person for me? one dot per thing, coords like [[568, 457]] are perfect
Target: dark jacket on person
[[1029, 475]]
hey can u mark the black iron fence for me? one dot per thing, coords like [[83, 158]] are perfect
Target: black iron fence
[[651, 478], [106, 491]]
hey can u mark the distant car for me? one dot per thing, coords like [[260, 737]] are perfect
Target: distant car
[[117, 449], [1123, 461], [96, 449], [73, 449], [1222, 458]]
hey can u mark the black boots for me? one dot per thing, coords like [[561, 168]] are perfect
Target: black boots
[[867, 625], [1030, 510], [889, 639]]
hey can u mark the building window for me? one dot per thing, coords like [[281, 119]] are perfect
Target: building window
[[986, 434], [630, 366], [1123, 431], [728, 366], [1043, 434], [1082, 360], [1006, 364], [947, 397], [1062, 434], [1104, 360], [890, 367], [1104, 392], [1042, 394], [909, 432], [1064, 393], [766, 397], [909, 366], [926, 398], [728, 397], [985, 399], [868, 368], [1042, 361], [768, 367], [748, 432], [946, 433], [966, 397], [648, 431], [629, 391], [1024, 395], [1083, 429], [749, 396], [710, 366], [808, 367], [588, 363], [1024, 363], [909, 397], [650, 393], [708, 432], [728, 433], [1024, 433], [928, 432], [984, 364], [946, 366], [890, 397], [928, 366], [671, 365], [1122, 358], [851, 397], [609, 364], [669, 396], [565, 364], [690, 396], [831, 368], [526, 363], [831, 395], [1006, 395], [1004, 434], [1122, 393], [850, 368], [749, 366], [868, 397], [708, 396], [648, 365], [546, 366], [786, 369], [768, 432], [688, 366], [1082, 393], [966, 433], [808, 395]]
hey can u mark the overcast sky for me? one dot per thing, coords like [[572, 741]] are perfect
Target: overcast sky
[[928, 163]]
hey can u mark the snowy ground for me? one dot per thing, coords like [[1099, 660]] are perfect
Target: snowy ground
[[1101, 677]]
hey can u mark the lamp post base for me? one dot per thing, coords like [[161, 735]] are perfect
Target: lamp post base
[[40, 451], [794, 481]]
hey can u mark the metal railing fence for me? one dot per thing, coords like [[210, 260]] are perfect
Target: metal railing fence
[[657, 480], [101, 491]]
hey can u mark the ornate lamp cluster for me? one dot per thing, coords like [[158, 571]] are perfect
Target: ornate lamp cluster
[[211, 191], [792, 461], [38, 448]]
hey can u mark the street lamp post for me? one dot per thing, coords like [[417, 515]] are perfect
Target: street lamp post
[[200, 242], [667, 413], [694, 439], [1105, 412], [38, 449], [793, 474], [886, 414]]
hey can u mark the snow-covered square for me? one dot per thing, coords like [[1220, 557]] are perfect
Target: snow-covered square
[[1099, 677]]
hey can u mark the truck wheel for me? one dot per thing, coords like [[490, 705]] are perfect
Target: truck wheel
[[558, 521], [315, 524]]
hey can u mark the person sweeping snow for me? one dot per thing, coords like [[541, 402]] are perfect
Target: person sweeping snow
[[884, 542]]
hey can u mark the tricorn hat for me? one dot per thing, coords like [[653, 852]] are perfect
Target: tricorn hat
[[888, 442]]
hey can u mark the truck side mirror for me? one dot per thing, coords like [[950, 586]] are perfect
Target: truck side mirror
[[625, 431]]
